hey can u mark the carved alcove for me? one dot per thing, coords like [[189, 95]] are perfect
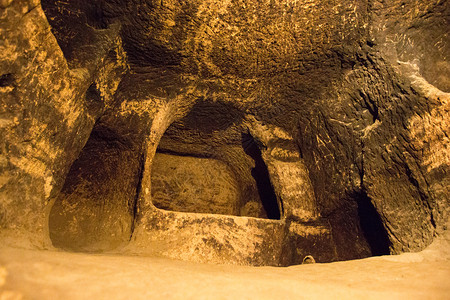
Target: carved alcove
[[208, 163]]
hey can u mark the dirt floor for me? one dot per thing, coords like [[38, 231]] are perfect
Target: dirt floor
[[30, 274]]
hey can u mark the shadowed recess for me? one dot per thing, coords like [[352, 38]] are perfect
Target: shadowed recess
[[207, 116], [261, 175], [372, 225], [6, 80], [95, 209]]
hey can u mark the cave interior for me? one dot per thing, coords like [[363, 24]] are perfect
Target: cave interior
[[255, 133]]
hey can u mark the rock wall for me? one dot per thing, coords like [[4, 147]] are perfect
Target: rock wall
[[190, 184]]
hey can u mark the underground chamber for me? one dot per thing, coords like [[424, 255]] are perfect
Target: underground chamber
[[214, 170], [210, 185], [141, 134]]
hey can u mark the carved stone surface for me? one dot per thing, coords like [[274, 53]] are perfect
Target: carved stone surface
[[190, 184], [330, 118]]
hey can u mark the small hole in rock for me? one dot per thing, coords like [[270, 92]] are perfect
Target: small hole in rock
[[7, 80]]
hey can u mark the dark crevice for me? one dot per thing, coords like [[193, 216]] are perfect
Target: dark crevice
[[261, 175], [94, 101], [433, 222], [181, 153], [372, 225], [7, 80], [134, 207], [81, 31]]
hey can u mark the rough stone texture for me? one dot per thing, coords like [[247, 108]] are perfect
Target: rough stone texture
[[47, 115], [95, 208], [209, 238], [332, 116], [44, 120], [287, 171], [190, 184]]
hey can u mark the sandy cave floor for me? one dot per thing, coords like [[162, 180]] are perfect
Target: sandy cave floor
[[31, 274]]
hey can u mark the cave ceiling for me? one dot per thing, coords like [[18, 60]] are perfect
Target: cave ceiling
[[266, 56]]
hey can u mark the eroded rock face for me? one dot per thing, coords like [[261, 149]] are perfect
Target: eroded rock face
[[330, 118], [98, 196], [190, 184]]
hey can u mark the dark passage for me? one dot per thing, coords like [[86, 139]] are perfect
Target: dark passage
[[261, 175], [372, 225]]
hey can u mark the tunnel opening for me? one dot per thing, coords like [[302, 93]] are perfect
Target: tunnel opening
[[372, 225], [262, 178], [95, 208]]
